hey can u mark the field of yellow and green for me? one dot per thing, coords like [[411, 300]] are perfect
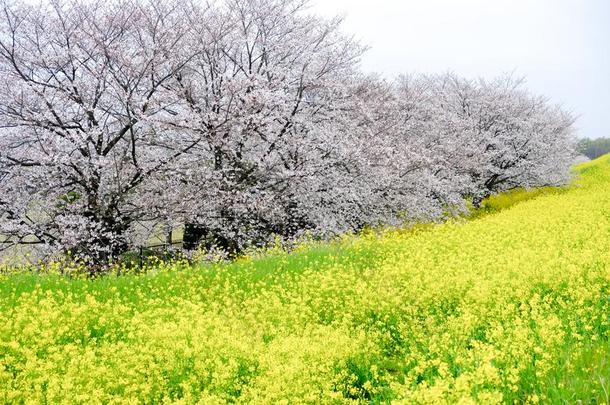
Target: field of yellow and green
[[510, 306]]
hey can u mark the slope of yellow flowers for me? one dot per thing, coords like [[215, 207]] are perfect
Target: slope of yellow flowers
[[511, 307]]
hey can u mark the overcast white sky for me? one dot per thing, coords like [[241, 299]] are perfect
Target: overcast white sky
[[561, 46]]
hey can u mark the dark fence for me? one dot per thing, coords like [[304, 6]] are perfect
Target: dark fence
[[137, 256], [164, 250]]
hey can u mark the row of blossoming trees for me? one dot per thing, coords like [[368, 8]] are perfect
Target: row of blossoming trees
[[247, 119]]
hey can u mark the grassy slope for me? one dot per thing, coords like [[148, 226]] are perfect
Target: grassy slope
[[509, 306]]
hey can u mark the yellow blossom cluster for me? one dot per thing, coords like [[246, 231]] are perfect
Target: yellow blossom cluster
[[488, 310]]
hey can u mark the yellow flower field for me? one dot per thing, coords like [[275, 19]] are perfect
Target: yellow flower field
[[510, 307]]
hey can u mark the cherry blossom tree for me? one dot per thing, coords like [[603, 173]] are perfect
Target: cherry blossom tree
[[491, 136], [268, 93], [84, 108]]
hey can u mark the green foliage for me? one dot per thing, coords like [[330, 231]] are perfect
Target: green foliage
[[507, 199], [594, 148], [583, 374], [69, 198]]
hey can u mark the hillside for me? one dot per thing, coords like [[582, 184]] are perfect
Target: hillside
[[510, 306]]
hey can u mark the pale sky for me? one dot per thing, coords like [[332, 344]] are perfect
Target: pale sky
[[562, 47]]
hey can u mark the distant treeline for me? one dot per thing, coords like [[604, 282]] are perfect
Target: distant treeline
[[593, 148]]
